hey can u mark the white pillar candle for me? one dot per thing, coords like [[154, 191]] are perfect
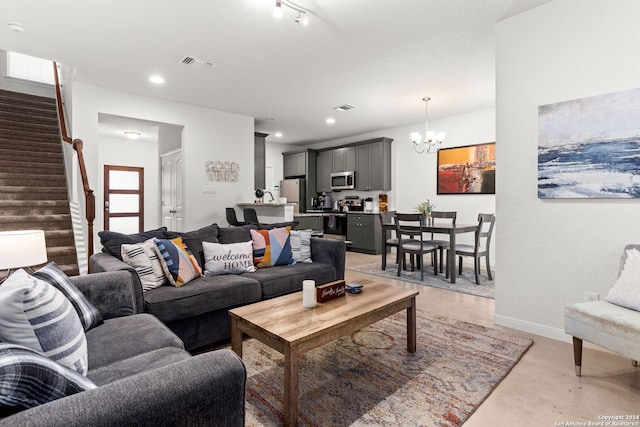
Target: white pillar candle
[[308, 293]]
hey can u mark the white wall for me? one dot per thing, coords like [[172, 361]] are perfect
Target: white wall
[[551, 251], [207, 135], [141, 154], [414, 175]]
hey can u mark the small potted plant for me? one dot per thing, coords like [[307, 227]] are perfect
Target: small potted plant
[[425, 208]]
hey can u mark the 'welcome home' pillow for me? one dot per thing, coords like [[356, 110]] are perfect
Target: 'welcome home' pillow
[[230, 258], [178, 263], [272, 247]]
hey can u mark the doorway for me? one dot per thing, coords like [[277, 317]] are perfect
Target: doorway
[[123, 199], [172, 191]]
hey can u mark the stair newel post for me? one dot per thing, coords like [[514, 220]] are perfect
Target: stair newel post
[[90, 199]]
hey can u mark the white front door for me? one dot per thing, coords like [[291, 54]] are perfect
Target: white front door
[[172, 190]]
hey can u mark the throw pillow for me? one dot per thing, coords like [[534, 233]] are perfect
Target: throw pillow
[[29, 379], [37, 315], [194, 239], [626, 291], [143, 257], [88, 313], [301, 245], [178, 263], [272, 247], [112, 240], [231, 258]]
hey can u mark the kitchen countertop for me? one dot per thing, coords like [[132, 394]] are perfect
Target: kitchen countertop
[[266, 204], [327, 213]]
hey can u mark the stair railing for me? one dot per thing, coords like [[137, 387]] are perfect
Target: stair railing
[[90, 199]]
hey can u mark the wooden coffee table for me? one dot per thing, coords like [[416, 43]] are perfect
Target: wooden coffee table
[[286, 326]]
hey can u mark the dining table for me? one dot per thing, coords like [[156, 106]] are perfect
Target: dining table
[[443, 228]]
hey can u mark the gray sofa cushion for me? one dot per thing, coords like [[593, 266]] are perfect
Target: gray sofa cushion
[[111, 240], [236, 234], [124, 337], [134, 365], [284, 279], [201, 295]]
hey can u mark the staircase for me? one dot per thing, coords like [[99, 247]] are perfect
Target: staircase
[[33, 186]]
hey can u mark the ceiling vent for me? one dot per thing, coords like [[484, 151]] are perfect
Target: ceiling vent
[[196, 62], [344, 107]]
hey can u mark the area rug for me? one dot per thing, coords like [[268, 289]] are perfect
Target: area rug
[[369, 378], [466, 283]]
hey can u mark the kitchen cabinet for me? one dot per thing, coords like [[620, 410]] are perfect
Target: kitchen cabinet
[[373, 165], [306, 222], [325, 165], [295, 164], [364, 231], [259, 156], [344, 159]]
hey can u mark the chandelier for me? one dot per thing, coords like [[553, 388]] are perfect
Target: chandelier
[[432, 140]]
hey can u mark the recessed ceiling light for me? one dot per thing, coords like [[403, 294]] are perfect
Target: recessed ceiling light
[[278, 135], [331, 121], [18, 28], [131, 134], [156, 79]]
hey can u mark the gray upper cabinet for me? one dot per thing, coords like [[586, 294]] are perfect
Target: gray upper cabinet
[[373, 165], [325, 165], [295, 164], [259, 160], [344, 159]]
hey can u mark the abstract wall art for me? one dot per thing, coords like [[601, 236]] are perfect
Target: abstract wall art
[[590, 147], [467, 170]]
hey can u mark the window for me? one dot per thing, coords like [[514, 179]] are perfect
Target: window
[[25, 67]]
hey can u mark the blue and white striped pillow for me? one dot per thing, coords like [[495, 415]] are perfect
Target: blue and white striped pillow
[[88, 313], [28, 379], [38, 316]]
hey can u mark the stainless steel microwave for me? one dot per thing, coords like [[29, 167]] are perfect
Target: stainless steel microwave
[[343, 180]]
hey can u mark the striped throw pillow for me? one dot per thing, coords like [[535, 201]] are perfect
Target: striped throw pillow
[[178, 263], [144, 258], [88, 313], [37, 315], [28, 379]]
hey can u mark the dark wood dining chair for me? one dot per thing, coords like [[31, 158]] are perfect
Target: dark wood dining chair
[[441, 243], [411, 241], [250, 216], [388, 236], [480, 249], [232, 219]]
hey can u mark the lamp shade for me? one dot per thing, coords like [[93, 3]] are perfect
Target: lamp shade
[[22, 248]]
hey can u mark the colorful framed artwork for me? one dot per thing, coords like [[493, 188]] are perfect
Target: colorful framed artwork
[[470, 169], [590, 147]]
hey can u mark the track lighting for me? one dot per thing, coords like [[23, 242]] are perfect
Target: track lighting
[[302, 18]]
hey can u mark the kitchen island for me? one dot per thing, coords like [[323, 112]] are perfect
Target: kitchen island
[[271, 212]]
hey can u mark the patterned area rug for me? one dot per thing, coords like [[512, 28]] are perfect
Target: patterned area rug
[[369, 379], [465, 284]]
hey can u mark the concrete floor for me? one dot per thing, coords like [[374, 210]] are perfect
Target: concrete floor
[[542, 389]]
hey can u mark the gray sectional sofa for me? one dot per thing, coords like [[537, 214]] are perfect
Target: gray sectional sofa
[[143, 373], [197, 311]]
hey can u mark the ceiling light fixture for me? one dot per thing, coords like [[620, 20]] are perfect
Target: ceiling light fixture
[[18, 28], [131, 134], [331, 120], [432, 140], [278, 135], [302, 18]]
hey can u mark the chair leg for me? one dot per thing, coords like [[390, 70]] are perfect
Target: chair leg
[[488, 268], [577, 355], [476, 269], [384, 257], [441, 257], [447, 266], [459, 266], [421, 261], [634, 363], [434, 258], [401, 264]]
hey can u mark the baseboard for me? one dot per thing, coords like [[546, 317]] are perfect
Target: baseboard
[[532, 328]]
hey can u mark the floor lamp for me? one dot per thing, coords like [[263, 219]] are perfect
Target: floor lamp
[[21, 248]]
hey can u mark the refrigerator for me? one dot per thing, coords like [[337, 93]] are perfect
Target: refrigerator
[[294, 190]]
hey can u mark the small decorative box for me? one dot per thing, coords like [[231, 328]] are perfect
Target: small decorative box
[[330, 291]]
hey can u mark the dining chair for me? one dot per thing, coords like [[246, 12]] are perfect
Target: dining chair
[[232, 219], [478, 250], [442, 244], [411, 241], [387, 218], [250, 216]]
